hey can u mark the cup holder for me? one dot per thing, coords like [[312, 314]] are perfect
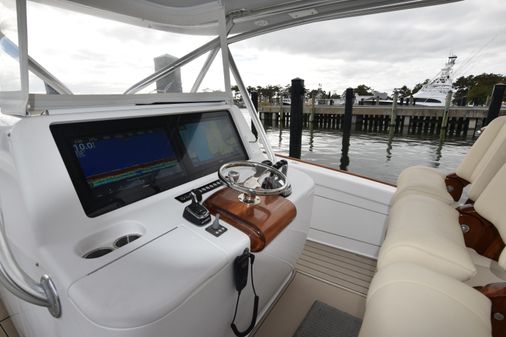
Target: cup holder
[[97, 253], [126, 239], [118, 243]]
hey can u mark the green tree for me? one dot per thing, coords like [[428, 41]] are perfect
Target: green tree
[[461, 87], [475, 89], [312, 93], [286, 91], [419, 86], [269, 91], [362, 90], [404, 92], [482, 86]]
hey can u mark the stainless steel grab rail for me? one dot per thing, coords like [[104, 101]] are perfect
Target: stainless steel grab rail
[[14, 279]]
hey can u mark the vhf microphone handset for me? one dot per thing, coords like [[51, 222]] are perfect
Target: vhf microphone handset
[[241, 264]]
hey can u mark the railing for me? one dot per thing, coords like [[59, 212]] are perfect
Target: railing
[[15, 280]]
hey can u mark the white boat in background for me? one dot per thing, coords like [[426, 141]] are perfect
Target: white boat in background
[[434, 93]]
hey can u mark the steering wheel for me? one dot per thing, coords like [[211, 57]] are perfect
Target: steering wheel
[[252, 179]]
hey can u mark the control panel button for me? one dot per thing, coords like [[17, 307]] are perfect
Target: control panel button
[[203, 189]]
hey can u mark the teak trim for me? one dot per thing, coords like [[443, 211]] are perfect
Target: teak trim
[[482, 235], [496, 292], [261, 222], [455, 185]]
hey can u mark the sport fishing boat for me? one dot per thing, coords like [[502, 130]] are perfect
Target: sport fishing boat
[[162, 214], [434, 93]]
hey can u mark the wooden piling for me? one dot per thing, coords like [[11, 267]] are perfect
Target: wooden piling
[[313, 109], [348, 110], [495, 102], [296, 110], [254, 99], [444, 122], [393, 112]]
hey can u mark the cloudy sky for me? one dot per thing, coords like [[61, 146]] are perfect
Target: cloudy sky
[[384, 51]]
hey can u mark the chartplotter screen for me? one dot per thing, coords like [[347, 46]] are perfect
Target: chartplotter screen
[[113, 163]]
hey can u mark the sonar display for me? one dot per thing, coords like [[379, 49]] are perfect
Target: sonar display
[[125, 156]]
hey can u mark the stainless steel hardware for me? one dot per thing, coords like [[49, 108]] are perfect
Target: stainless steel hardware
[[14, 279], [498, 316], [465, 228]]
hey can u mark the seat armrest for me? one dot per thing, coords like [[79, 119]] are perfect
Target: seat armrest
[[455, 185], [496, 292], [479, 233]]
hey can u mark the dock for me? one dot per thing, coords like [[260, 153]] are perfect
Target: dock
[[461, 121]]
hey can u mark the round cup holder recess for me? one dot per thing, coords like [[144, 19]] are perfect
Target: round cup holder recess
[[118, 243], [126, 239], [95, 253]]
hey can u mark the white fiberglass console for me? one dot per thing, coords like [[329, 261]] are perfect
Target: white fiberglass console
[[94, 199]]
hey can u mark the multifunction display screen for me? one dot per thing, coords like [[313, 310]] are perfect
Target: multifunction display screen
[[207, 141], [116, 162], [124, 160]]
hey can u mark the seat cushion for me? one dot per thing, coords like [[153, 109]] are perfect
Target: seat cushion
[[478, 167], [409, 300], [474, 157], [422, 180], [493, 159], [427, 232]]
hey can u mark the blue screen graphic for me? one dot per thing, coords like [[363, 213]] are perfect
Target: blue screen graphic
[[122, 156]]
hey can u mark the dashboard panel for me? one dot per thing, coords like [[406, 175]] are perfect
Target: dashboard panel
[[113, 163]]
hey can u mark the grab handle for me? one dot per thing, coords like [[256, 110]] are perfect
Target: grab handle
[[14, 279]]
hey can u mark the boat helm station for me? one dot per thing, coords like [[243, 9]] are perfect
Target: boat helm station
[[159, 214], [111, 218], [115, 234]]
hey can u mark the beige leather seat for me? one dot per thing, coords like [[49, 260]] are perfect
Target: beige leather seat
[[406, 300], [427, 232], [480, 164]]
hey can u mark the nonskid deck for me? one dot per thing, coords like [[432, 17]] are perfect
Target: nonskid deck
[[337, 267], [330, 275]]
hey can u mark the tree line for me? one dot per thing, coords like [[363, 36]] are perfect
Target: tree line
[[472, 89], [271, 92]]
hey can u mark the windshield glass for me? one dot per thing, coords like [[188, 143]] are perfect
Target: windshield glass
[[91, 55]]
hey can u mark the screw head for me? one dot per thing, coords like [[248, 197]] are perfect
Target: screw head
[[465, 228]]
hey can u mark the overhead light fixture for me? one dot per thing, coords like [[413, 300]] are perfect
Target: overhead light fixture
[[301, 14]]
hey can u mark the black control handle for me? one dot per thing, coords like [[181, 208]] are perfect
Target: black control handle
[[196, 196]]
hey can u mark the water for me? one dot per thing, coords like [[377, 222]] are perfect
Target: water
[[375, 154]]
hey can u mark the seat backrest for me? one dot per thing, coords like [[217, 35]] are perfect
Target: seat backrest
[[482, 152], [491, 205], [493, 159]]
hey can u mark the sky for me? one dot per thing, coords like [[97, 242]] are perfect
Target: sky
[[383, 51]]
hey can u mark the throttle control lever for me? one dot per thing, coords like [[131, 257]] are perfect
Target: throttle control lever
[[195, 212]]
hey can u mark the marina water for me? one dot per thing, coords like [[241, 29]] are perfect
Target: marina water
[[376, 155]]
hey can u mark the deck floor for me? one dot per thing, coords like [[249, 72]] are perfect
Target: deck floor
[[326, 274], [7, 328], [337, 267]]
